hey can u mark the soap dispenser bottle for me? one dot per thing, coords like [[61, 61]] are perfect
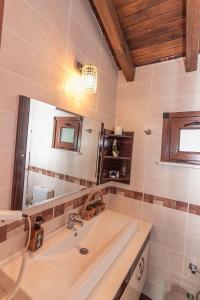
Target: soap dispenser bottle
[[37, 235]]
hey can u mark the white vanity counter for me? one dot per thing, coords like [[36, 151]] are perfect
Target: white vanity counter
[[59, 271]]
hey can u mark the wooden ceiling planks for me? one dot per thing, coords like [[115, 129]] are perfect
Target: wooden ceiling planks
[[156, 30], [151, 27]]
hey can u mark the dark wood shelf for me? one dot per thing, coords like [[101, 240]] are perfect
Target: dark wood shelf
[[115, 179], [119, 157], [119, 136], [120, 164]]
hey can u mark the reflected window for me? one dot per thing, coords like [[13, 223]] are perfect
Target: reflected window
[[67, 133]]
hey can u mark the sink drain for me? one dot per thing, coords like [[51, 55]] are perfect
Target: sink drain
[[84, 251]]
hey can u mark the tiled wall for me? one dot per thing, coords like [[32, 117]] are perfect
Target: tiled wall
[[40, 41], [158, 88]]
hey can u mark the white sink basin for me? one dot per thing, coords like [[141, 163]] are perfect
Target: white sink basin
[[60, 272]]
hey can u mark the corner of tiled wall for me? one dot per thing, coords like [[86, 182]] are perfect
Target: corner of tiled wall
[[175, 239]]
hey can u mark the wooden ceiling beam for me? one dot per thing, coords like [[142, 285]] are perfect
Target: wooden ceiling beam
[[192, 34], [106, 14]]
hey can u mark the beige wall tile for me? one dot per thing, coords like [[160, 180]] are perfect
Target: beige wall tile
[[193, 248], [6, 170], [127, 206], [35, 67], [168, 238], [170, 89], [184, 85], [53, 11], [166, 217], [8, 122], [20, 18]]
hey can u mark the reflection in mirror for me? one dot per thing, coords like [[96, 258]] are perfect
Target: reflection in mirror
[[61, 153], [189, 140]]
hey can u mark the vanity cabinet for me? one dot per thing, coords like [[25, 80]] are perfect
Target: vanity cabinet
[[134, 281], [137, 281]]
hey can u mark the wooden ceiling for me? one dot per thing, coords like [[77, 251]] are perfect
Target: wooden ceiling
[[142, 32]]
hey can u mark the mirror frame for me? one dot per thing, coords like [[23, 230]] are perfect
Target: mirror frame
[[1, 17], [21, 148]]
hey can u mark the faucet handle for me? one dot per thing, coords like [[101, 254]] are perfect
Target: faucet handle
[[74, 215]]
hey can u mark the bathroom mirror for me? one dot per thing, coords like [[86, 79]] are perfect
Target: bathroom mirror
[[57, 153]]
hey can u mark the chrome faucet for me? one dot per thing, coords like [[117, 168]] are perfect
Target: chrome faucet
[[74, 219]]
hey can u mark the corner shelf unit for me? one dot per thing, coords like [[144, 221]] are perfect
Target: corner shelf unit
[[122, 163]]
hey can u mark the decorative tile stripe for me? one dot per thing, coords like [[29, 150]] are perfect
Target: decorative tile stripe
[[3, 233], [169, 203], [165, 202], [194, 209], [59, 210], [61, 176], [47, 214], [54, 212]]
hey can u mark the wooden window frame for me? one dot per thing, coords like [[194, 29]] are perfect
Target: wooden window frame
[[67, 122], [172, 124]]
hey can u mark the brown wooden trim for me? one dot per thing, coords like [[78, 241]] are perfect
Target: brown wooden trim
[[172, 124], [105, 11], [192, 34], [1, 17], [100, 154], [20, 153], [184, 114], [165, 139], [144, 297], [131, 270]]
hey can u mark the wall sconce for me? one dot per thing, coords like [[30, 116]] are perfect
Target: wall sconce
[[89, 77]]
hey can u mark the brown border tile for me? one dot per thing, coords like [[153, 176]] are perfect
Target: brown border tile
[[148, 198], [61, 176], [14, 225], [133, 194], [3, 233], [59, 210], [194, 209], [78, 202]]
